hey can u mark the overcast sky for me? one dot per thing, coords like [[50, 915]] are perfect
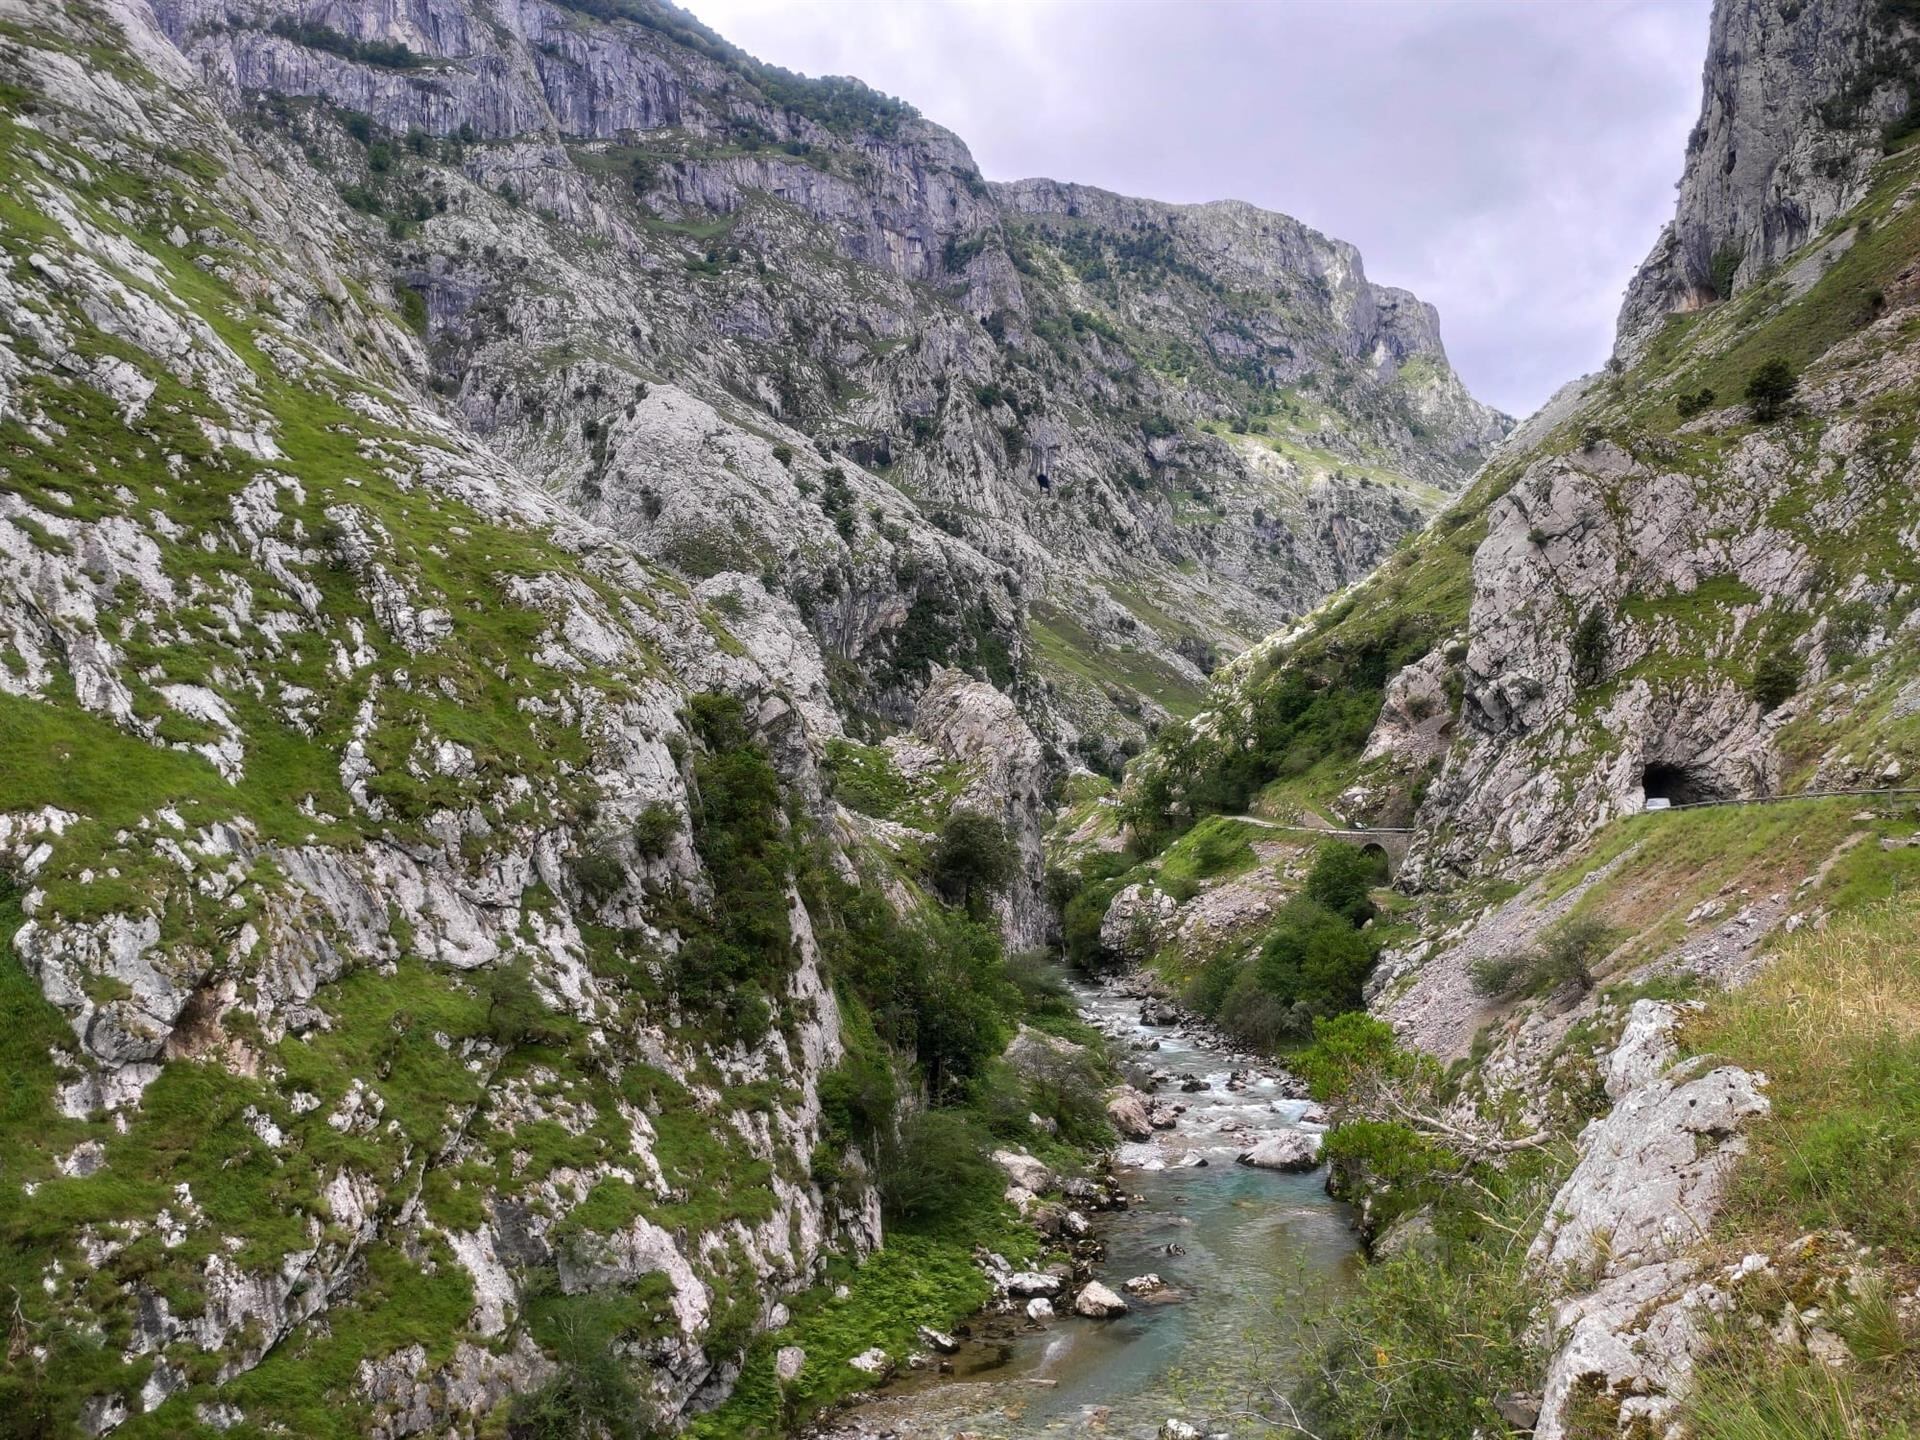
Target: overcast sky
[[1509, 160]]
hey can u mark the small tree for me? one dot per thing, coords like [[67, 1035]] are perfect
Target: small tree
[[1590, 645], [1769, 389], [1566, 954], [972, 859], [1342, 880]]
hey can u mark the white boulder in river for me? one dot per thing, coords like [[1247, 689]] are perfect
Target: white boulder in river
[[1097, 1302], [1127, 1109], [1286, 1150]]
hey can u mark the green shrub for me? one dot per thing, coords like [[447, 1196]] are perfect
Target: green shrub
[[598, 871], [516, 1015], [1565, 955], [1689, 403], [1423, 1345], [1343, 879], [740, 948], [654, 829], [1590, 646], [1083, 898], [1391, 1165], [1776, 678], [1723, 267], [1347, 1053], [594, 1393], [936, 1165]]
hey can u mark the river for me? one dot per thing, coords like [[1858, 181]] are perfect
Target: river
[[1250, 1248]]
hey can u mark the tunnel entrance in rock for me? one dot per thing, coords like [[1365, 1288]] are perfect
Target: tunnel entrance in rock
[[1680, 784]]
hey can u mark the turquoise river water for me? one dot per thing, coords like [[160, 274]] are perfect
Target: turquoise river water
[[1251, 1251]]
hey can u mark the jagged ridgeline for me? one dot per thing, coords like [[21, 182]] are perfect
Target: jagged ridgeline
[[782, 327]]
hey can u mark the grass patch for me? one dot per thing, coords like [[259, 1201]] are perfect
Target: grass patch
[[1834, 1021]]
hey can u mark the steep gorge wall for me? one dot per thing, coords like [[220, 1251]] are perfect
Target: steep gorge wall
[[985, 416]]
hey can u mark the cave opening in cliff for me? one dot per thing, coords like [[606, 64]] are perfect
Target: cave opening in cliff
[[1679, 784]]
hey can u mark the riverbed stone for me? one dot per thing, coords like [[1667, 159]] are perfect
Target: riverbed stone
[[1026, 1283], [1288, 1150], [1130, 1114], [1097, 1302]]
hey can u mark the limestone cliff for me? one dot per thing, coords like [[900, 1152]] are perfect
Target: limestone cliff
[[781, 327], [1798, 101]]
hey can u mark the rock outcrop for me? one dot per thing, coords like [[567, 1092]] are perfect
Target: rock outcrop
[[1797, 94]]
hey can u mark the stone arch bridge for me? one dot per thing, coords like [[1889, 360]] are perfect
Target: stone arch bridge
[[1392, 843]]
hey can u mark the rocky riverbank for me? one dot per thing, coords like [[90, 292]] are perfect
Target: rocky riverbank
[[1159, 1286]]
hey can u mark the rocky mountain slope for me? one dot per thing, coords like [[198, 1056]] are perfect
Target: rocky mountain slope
[[781, 327], [1690, 578], [443, 990]]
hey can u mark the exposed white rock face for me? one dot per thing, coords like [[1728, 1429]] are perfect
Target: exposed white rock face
[[1789, 128], [1633, 1212], [1136, 920], [1651, 1172], [1634, 1340], [366, 697], [980, 729], [1576, 535]]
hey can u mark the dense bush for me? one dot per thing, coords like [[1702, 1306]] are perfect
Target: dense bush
[[1322, 708], [654, 829], [1590, 646], [1423, 1345], [1312, 963], [1082, 898], [740, 949], [1689, 403], [935, 1165], [1343, 878]]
